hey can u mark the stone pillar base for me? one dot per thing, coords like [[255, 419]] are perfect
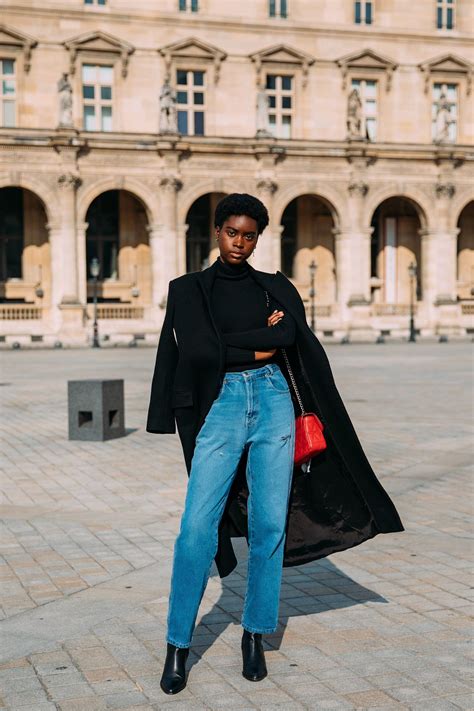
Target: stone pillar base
[[72, 324]]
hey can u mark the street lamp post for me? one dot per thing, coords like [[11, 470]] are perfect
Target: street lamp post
[[312, 293], [94, 270], [412, 273]]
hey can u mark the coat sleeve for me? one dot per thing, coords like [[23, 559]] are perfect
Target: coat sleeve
[[261, 339], [238, 355], [160, 414]]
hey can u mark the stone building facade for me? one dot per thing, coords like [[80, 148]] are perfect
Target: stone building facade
[[122, 124]]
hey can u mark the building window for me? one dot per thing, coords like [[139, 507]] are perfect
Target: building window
[[95, 2], [363, 12], [444, 112], [8, 92], [97, 83], [279, 90], [445, 14], [278, 8], [190, 98], [188, 5], [368, 95]]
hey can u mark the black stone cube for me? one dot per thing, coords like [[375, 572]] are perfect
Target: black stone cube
[[96, 409]]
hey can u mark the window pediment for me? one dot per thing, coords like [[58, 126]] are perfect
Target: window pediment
[[19, 41], [448, 64], [101, 43], [367, 60], [192, 49], [282, 54]]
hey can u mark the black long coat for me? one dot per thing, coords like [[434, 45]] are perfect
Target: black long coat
[[340, 502]]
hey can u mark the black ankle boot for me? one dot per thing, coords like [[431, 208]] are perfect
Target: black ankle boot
[[173, 679], [254, 668]]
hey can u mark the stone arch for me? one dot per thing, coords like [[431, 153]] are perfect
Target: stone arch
[[89, 192], [189, 195], [458, 206], [396, 223], [418, 199], [309, 223], [330, 197], [465, 253], [25, 250], [44, 194]]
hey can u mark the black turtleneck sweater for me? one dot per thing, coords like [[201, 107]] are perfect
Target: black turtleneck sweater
[[240, 310]]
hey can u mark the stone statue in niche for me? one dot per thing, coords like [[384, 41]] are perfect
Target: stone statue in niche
[[65, 102], [355, 120], [262, 114], [168, 115], [443, 119]]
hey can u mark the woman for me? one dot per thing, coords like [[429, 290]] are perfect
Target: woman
[[219, 374]]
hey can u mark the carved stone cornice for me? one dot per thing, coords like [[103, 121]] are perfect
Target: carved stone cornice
[[366, 60], [447, 66], [282, 55], [99, 42], [13, 39], [193, 49]]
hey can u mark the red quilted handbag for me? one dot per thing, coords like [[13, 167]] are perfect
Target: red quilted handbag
[[309, 438]]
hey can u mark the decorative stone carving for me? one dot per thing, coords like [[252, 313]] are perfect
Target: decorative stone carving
[[267, 185], [65, 102], [443, 120], [168, 115], [355, 122], [358, 187], [445, 190], [171, 183], [69, 180]]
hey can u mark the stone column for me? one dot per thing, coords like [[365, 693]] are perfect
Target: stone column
[[267, 256], [439, 266], [81, 230], [343, 242], [163, 238], [64, 261], [67, 184]]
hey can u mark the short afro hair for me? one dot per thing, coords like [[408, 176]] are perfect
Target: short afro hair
[[241, 204]]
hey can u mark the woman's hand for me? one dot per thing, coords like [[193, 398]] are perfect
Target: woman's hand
[[274, 318], [271, 321]]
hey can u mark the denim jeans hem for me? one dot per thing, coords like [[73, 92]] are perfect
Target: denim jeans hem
[[267, 630], [177, 644]]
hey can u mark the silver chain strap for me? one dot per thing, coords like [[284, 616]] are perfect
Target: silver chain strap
[[290, 371]]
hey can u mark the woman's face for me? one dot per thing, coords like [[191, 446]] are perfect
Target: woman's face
[[237, 238]]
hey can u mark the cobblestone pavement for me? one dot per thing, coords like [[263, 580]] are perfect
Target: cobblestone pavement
[[88, 531]]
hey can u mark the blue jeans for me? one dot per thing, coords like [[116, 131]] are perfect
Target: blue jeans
[[254, 409]]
